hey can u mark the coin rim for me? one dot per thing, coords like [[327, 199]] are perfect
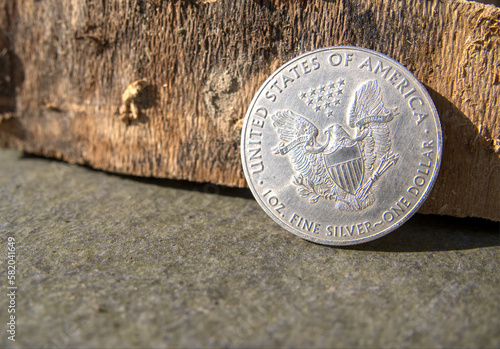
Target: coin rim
[[390, 228]]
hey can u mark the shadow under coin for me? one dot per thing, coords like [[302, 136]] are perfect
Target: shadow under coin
[[426, 233]]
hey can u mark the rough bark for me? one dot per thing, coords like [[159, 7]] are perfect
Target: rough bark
[[154, 88]]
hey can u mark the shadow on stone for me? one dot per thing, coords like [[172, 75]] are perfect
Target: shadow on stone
[[425, 233], [207, 188]]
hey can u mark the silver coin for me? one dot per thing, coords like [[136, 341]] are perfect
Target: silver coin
[[341, 145]]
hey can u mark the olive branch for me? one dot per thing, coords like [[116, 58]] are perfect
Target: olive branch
[[308, 189]]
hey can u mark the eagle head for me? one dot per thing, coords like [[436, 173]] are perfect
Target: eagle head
[[337, 133]]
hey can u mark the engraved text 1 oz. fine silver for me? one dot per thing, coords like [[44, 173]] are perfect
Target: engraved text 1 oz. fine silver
[[341, 145]]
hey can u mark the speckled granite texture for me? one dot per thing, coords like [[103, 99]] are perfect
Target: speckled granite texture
[[106, 261]]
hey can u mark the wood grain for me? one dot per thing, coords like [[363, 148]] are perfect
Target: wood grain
[[67, 67]]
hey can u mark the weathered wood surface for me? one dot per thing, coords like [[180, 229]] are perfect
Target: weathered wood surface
[[67, 73]]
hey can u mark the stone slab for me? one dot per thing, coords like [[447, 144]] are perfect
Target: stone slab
[[109, 261]]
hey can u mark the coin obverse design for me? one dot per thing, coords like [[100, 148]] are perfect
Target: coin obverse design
[[341, 145]]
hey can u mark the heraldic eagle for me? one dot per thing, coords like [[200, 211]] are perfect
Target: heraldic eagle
[[344, 168]]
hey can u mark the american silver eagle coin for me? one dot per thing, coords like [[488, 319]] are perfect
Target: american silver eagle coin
[[341, 145]]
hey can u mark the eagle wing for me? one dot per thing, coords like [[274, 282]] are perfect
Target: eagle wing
[[290, 127], [368, 103]]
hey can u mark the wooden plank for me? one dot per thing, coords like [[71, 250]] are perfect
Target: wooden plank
[[69, 92]]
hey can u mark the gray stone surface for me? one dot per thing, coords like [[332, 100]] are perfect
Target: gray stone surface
[[107, 261]]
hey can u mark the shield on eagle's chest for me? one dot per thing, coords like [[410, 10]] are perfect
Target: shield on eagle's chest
[[346, 168]]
